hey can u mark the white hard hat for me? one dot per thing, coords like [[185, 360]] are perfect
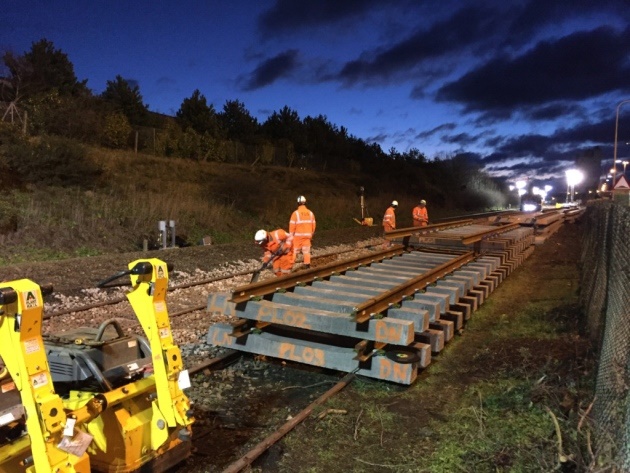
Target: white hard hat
[[260, 236], [423, 202], [301, 200], [395, 203]]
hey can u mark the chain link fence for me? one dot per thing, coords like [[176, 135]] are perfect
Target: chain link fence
[[605, 297]]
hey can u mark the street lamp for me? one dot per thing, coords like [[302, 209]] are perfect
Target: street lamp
[[574, 176], [625, 163]]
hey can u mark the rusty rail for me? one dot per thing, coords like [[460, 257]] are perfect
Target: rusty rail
[[476, 237], [244, 293], [259, 449], [376, 305], [407, 232]]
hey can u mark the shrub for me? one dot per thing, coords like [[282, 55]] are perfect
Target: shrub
[[117, 130], [52, 161]]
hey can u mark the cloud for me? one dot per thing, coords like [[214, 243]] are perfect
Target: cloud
[[288, 16], [437, 129], [536, 14], [272, 69], [463, 28], [465, 139], [554, 111], [576, 67], [556, 149]]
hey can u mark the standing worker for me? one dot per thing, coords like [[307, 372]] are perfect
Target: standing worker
[[302, 228], [420, 214], [278, 248], [389, 219]]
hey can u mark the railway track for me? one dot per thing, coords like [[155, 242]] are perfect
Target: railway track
[[458, 264], [385, 313]]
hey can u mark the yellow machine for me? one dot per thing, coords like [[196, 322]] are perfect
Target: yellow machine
[[145, 419], [365, 220], [51, 437]]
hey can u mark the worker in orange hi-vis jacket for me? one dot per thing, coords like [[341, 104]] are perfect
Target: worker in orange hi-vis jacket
[[389, 219], [302, 227], [420, 214], [278, 248]]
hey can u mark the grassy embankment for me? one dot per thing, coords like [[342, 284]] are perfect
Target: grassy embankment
[[131, 193]]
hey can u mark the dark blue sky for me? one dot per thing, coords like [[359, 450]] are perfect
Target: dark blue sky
[[525, 85]]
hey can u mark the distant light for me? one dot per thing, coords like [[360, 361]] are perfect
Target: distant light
[[548, 188], [512, 187], [522, 192], [574, 176], [613, 170], [529, 207], [520, 185]]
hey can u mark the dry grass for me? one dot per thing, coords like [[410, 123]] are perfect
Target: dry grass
[[134, 192]]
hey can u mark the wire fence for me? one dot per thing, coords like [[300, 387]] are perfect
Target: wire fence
[[605, 297]]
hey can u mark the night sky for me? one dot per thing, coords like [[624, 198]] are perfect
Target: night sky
[[525, 86]]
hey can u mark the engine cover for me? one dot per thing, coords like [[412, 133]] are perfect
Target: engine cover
[[96, 360]]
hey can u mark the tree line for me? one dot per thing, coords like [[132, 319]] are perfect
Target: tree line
[[42, 83]]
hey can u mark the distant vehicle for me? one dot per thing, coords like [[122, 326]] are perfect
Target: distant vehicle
[[531, 203]]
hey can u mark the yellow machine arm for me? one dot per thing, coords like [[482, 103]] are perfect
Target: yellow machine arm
[[149, 279], [22, 349]]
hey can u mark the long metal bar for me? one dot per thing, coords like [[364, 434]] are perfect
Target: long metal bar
[[259, 449], [405, 232], [244, 293], [382, 302], [474, 238]]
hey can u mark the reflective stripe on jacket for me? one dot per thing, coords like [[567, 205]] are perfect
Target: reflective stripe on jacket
[[389, 219], [302, 223], [279, 242]]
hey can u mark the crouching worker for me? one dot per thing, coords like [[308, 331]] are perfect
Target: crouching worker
[[278, 248]]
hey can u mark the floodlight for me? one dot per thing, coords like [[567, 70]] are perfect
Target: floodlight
[[574, 176]]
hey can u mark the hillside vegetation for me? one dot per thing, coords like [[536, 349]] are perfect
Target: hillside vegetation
[[86, 174], [61, 199]]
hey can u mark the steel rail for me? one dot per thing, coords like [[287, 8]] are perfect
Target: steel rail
[[384, 301], [225, 359], [269, 286], [187, 285], [259, 449], [476, 237], [406, 232]]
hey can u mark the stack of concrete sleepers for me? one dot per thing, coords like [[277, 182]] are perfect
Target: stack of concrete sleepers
[[317, 324], [547, 224]]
